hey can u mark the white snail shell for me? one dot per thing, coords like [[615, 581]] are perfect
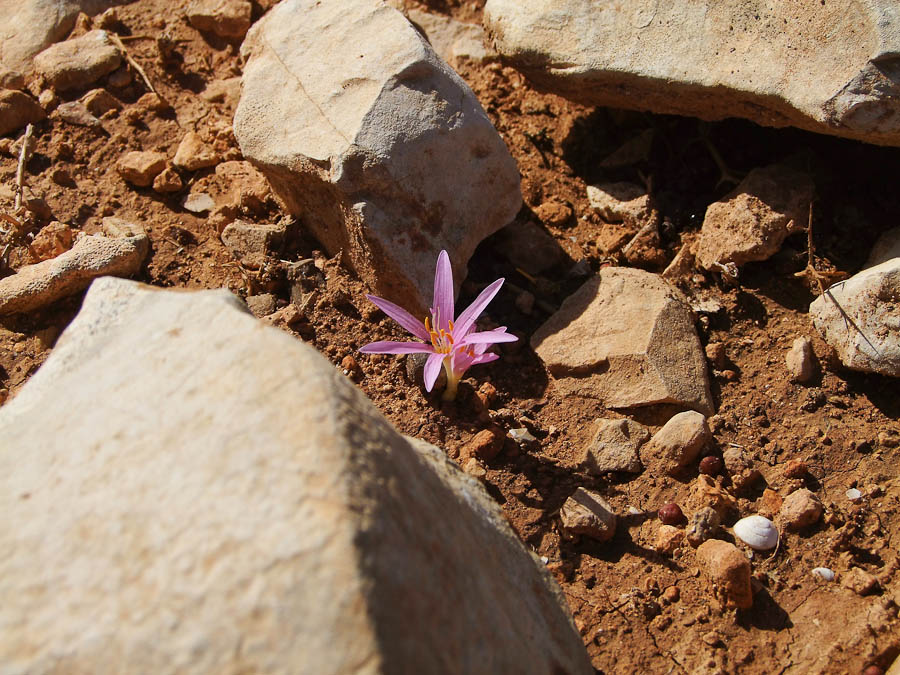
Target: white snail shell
[[823, 573], [757, 532]]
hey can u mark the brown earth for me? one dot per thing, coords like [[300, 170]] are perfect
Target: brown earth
[[843, 425]]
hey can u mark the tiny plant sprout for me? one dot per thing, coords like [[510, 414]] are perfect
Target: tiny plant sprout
[[455, 345]]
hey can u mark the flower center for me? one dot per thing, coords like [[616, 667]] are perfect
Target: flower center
[[441, 340]]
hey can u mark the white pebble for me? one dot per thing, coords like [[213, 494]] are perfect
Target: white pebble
[[853, 495], [823, 573], [520, 435], [757, 532]]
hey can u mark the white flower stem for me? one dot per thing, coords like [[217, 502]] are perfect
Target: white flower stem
[[452, 383]]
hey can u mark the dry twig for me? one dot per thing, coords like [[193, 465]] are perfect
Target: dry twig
[[24, 155], [134, 64]]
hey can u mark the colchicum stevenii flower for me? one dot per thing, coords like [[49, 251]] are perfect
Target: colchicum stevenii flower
[[455, 345]]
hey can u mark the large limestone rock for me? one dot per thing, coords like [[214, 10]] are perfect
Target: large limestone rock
[[626, 338], [29, 26], [185, 489], [860, 319], [373, 142], [827, 67]]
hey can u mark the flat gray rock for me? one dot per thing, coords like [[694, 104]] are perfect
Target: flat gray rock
[[860, 319], [373, 141], [185, 489], [831, 68], [626, 338], [79, 62]]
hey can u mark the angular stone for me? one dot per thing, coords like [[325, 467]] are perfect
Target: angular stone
[[197, 492], [29, 26], [668, 539], [860, 319], [76, 112], [250, 243], [167, 181], [588, 513], [373, 141], [226, 18], [800, 360], [454, 41], [614, 446], [193, 153], [712, 59], [620, 202], [626, 338], [140, 167], [752, 221], [18, 110], [678, 444], [121, 253], [800, 509], [53, 239], [728, 570], [99, 101], [78, 62]]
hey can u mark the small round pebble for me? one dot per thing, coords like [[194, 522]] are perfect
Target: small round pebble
[[853, 495], [710, 465], [671, 514]]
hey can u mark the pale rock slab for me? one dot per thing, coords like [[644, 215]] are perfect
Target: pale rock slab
[[626, 338], [830, 68], [205, 494], [121, 254], [140, 167], [614, 446], [229, 19], [752, 221], [30, 26], [18, 110], [193, 154], [250, 243], [78, 62], [373, 141], [860, 319]]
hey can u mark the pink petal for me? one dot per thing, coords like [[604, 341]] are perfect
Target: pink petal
[[443, 292], [392, 347], [401, 316], [432, 370], [467, 318], [485, 358], [488, 337]]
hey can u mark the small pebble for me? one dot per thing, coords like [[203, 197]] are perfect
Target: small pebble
[[853, 495], [521, 435], [671, 514], [703, 525], [796, 468], [823, 573], [710, 465]]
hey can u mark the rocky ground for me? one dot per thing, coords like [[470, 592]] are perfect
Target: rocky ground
[[642, 601]]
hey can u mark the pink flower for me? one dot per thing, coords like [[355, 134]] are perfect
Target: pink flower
[[455, 345]]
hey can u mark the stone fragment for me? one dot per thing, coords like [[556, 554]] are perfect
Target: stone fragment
[[588, 513], [78, 62], [198, 202], [859, 581], [860, 319], [728, 570], [769, 503], [29, 26], [75, 112], [626, 338], [751, 222], [52, 240], [238, 184], [800, 360], [614, 446], [251, 243], [193, 153], [702, 525], [100, 101], [167, 181], [678, 444], [740, 468], [229, 19], [140, 167], [800, 509], [709, 492], [668, 539], [714, 60], [34, 286], [261, 305], [620, 202], [206, 494], [385, 154], [226, 91], [11, 79], [485, 445], [18, 110], [553, 213], [528, 246], [454, 41]]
